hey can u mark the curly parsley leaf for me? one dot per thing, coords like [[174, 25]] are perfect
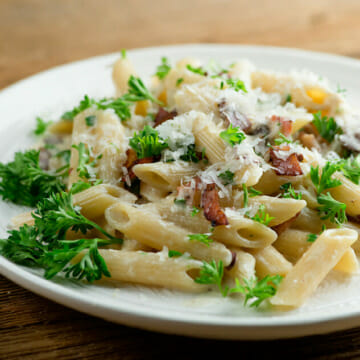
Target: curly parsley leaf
[[289, 192], [232, 135], [163, 69], [257, 290], [191, 154], [324, 181], [24, 182], [327, 127], [84, 104], [331, 209], [350, 167], [41, 126], [227, 177], [203, 238], [179, 81], [85, 163], [138, 91], [212, 274], [147, 142], [262, 216]]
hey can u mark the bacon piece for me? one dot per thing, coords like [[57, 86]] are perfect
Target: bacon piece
[[288, 167], [285, 125], [285, 225], [211, 205], [234, 117], [163, 115], [133, 160]]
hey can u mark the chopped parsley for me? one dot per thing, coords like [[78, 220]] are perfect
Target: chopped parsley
[[262, 216], [179, 81], [174, 253], [90, 120], [163, 69], [311, 238], [85, 162], [232, 135], [326, 127], [191, 154], [324, 181], [246, 195], [147, 143], [123, 53], [331, 209], [180, 201], [41, 126], [203, 238], [194, 211], [84, 104], [236, 85], [289, 192], [196, 70], [24, 182], [288, 98], [253, 192], [282, 139], [227, 177]]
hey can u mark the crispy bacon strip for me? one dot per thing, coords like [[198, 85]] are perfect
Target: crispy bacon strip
[[288, 167], [285, 225], [163, 115], [285, 125], [133, 160], [211, 204], [231, 116]]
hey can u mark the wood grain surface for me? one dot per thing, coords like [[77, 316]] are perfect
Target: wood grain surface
[[38, 34]]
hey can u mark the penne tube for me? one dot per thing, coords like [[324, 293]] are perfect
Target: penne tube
[[349, 263], [95, 200], [271, 262], [151, 193], [138, 223], [165, 176], [308, 272], [244, 266], [122, 70], [243, 232], [154, 269], [348, 193]]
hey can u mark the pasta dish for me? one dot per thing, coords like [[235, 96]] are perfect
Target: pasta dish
[[208, 178]]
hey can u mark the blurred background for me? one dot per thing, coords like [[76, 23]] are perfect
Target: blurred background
[[38, 34]]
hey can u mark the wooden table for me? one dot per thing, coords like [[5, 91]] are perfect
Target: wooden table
[[38, 34]]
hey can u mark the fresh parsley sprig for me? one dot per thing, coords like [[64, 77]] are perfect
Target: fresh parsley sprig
[[139, 92], [327, 127], [236, 85], [85, 162], [350, 167], [147, 142], [324, 181], [212, 273], [24, 182], [331, 209], [232, 135], [257, 290]]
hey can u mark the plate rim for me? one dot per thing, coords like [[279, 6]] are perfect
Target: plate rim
[[131, 314]]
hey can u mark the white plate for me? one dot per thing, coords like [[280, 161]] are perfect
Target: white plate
[[335, 305]]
